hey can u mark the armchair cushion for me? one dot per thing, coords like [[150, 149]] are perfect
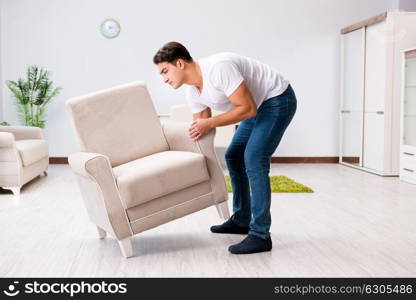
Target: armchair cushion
[[159, 174], [31, 151]]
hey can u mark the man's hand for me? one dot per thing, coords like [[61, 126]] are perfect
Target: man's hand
[[199, 128]]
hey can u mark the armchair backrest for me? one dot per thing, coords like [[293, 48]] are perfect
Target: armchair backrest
[[120, 123]]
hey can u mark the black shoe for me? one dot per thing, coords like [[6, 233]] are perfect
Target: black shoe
[[230, 227], [251, 244]]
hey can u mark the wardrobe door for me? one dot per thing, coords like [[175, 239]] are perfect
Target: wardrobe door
[[352, 95], [409, 101], [375, 96], [408, 147], [373, 156]]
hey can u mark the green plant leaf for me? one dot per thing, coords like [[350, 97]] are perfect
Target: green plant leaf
[[32, 95]]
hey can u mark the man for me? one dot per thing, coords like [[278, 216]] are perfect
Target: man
[[249, 92]]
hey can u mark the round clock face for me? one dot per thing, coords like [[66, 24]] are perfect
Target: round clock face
[[110, 28]]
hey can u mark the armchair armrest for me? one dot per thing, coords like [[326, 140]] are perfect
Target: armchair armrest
[[6, 140], [23, 132], [79, 161], [10, 162], [176, 134], [100, 193]]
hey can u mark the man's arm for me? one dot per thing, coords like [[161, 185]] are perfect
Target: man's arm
[[205, 114], [245, 108]]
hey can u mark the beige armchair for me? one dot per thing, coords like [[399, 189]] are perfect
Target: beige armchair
[[23, 156], [134, 173], [183, 112]]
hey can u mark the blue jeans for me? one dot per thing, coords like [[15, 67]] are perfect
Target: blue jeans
[[248, 160]]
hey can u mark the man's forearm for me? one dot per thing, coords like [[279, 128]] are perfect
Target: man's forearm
[[233, 116]]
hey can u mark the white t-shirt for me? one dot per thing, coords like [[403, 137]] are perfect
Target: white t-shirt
[[223, 73]]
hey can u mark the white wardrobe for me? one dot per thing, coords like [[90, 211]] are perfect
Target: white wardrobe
[[370, 91], [408, 117]]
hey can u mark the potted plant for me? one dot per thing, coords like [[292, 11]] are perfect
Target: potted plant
[[32, 95]]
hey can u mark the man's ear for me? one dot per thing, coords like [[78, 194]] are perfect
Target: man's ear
[[180, 63]]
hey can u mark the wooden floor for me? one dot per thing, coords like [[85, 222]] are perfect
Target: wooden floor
[[355, 225]]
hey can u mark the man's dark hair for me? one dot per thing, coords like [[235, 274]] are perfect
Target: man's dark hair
[[171, 52]]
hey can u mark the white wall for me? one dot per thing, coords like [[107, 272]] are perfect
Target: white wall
[[300, 38], [407, 5]]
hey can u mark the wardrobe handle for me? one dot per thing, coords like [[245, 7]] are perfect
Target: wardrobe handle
[[408, 170], [345, 111], [408, 153], [380, 112]]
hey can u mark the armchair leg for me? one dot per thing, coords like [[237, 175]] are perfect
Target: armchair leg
[[101, 233], [126, 247], [14, 189], [45, 173], [223, 210]]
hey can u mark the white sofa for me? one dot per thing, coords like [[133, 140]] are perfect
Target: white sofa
[[23, 156]]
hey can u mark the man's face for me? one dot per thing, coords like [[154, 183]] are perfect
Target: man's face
[[172, 74]]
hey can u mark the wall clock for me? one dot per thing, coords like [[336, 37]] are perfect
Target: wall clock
[[110, 28]]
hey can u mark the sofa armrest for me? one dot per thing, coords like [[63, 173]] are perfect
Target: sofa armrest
[[79, 160], [176, 134], [7, 140], [100, 193], [23, 132], [10, 162]]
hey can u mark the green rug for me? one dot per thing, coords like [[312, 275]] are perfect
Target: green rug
[[279, 184]]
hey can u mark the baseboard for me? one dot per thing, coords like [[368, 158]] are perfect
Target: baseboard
[[306, 160], [58, 160], [275, 160]]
